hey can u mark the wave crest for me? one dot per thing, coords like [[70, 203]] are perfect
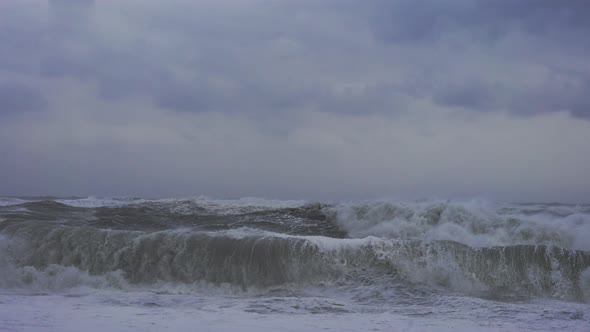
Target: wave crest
[[249, 259], [475, 223]]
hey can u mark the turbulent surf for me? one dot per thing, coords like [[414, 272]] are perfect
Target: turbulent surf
[[406, 258]]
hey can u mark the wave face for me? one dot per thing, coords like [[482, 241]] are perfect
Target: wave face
[[472, 248]]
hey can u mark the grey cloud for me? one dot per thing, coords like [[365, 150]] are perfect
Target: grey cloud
[[482, 51], [556, 91], [470, 94], [557, 97], [428, 20], [16, 98], [265, 57], [188, 98], [216, 54], [21, 37]]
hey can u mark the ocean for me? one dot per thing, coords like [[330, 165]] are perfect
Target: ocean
[[199, 264]]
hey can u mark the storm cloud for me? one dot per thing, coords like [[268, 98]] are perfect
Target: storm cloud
[[295, 99]]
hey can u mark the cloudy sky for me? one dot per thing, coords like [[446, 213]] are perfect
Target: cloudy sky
[[329, 100]]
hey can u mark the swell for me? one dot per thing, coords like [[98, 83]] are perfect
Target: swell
[[171, 214], [474, 223], [248, 258], [305, 220]]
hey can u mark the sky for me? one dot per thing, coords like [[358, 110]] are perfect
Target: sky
[[296, 99]]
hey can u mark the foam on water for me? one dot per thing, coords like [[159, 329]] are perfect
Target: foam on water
[[436, 264], [474, 223], [8, 201], [186, 205], [94, 202], [149, 312]]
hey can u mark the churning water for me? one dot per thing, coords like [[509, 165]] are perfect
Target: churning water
[[249, 264]]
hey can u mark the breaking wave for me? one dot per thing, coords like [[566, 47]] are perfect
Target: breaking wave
[[474, 223], [474, 249]]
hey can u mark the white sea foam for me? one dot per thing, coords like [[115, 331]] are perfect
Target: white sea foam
[[186, 205], [252, 202], [148, 311], [235, 206], [94, 202], [474, 223], [8, 201]]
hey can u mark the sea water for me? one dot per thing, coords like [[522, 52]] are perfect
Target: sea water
[[129, 264]]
